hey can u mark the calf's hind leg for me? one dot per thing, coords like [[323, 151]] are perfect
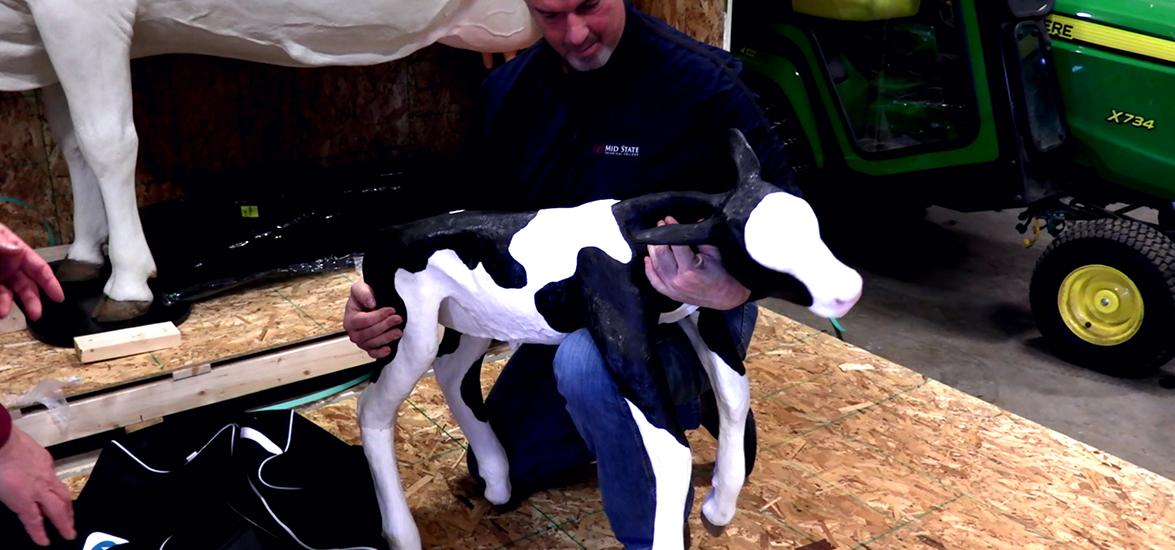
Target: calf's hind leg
[[377, 415], [453, 371]]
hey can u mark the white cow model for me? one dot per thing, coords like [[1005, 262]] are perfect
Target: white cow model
[[80, 51]]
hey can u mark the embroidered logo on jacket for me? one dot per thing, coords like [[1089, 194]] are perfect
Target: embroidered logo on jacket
[[617, 150]]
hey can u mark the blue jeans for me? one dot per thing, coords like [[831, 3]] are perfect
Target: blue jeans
[[556, 410]]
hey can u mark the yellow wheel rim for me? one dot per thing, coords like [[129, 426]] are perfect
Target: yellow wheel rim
[[1100, 304]]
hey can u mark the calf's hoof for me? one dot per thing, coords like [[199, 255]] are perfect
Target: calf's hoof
[[407, 540], [74, 271], [498, 494], [108, 311], [714, 519], [714, 530]]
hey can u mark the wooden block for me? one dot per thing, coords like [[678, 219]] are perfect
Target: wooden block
[[144, 424], [14, 322], [53, 253], [188, 372], [136, 403], [128, 341]]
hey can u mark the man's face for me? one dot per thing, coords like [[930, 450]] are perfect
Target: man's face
[[584, 32]]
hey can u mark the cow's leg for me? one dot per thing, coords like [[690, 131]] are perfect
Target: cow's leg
[[458, 375], [85, 259], [732, 393], [89, 45], [377, 416]]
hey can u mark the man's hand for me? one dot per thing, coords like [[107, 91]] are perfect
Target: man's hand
[[22, 271], [30, 488], [370, 330], [696, 278]]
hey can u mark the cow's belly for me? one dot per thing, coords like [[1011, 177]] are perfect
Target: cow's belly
[[470, 302], [299, 32], [24, 65], [501, 318]]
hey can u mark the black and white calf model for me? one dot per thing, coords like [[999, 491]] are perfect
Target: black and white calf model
[[536, 277]]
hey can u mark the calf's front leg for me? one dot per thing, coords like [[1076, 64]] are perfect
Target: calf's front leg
[[620, 327], [732, 393]]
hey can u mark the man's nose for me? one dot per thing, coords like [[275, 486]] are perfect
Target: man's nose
[[577, 30]]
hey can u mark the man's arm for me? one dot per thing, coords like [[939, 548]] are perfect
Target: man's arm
[[29, 486]]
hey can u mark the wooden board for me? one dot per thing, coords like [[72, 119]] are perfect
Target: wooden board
[[855, 452], [221, 329], [236, 344], [112, 344]]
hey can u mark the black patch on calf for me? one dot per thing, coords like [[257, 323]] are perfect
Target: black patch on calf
[[561, 304], [716, 335], [449, 342], [476, 237], [620, 326], [471, 391]]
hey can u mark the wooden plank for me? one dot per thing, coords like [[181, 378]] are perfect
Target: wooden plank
[[53, 253], [125, 407], [128, 341], [237, 324], [188, 372], [143, 425], [14, 322]]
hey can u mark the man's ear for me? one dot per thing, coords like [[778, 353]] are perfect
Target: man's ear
[[676, 234]]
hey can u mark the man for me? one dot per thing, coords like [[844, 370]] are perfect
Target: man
[[28, 485], [612, 104]]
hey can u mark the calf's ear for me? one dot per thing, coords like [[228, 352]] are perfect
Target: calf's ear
[[744, 157], [676, 234]]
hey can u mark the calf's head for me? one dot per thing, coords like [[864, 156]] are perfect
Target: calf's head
[[770, 241]]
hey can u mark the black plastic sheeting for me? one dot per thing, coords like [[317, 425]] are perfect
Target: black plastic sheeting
[[229, 231], [240, 229]]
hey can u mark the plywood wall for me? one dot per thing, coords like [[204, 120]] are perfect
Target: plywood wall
[[199, 115], [701, 19]]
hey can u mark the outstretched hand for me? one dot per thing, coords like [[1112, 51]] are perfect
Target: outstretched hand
[[693, 277], [30, 488], [22, 273]]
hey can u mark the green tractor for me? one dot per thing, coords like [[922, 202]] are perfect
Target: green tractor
[[1063, 110]]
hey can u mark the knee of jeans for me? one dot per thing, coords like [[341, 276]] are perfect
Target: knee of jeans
[[578, 367]]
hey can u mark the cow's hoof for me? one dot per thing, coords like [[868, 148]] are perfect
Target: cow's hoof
[[714, 530], [108, 311], [74, 271]]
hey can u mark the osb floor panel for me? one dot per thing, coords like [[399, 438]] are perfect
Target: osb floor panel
[[855, 452], [222, 328]]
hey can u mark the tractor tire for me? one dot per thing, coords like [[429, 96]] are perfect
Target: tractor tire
[[1103, 295]]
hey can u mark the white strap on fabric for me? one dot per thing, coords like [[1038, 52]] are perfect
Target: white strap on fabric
[[261, 439]]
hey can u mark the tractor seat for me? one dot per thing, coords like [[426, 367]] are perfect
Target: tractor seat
[[857, 10]]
